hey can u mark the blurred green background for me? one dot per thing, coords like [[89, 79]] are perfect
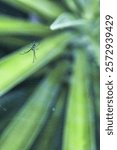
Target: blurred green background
[[50, 101]]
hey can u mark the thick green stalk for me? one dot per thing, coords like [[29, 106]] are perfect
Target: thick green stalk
[[79, 125], [45, 141], [14, 26]]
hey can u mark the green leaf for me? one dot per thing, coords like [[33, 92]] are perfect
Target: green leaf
[[14, 26], [16, 67], [28, 122], [67, 20], [79, 130], [48, 9], [45, 141], [89, 8], [71, 5], [12, 41]]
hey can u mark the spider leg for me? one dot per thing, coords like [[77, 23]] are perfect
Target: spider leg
[[34, 56], [34, 53], [27, 51]]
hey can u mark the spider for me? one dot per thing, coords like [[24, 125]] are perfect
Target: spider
[[33, 50]]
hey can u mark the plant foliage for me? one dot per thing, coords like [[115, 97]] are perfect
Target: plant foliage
[[49, 75]]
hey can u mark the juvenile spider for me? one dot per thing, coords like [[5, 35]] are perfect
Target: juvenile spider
[[33, 50]]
